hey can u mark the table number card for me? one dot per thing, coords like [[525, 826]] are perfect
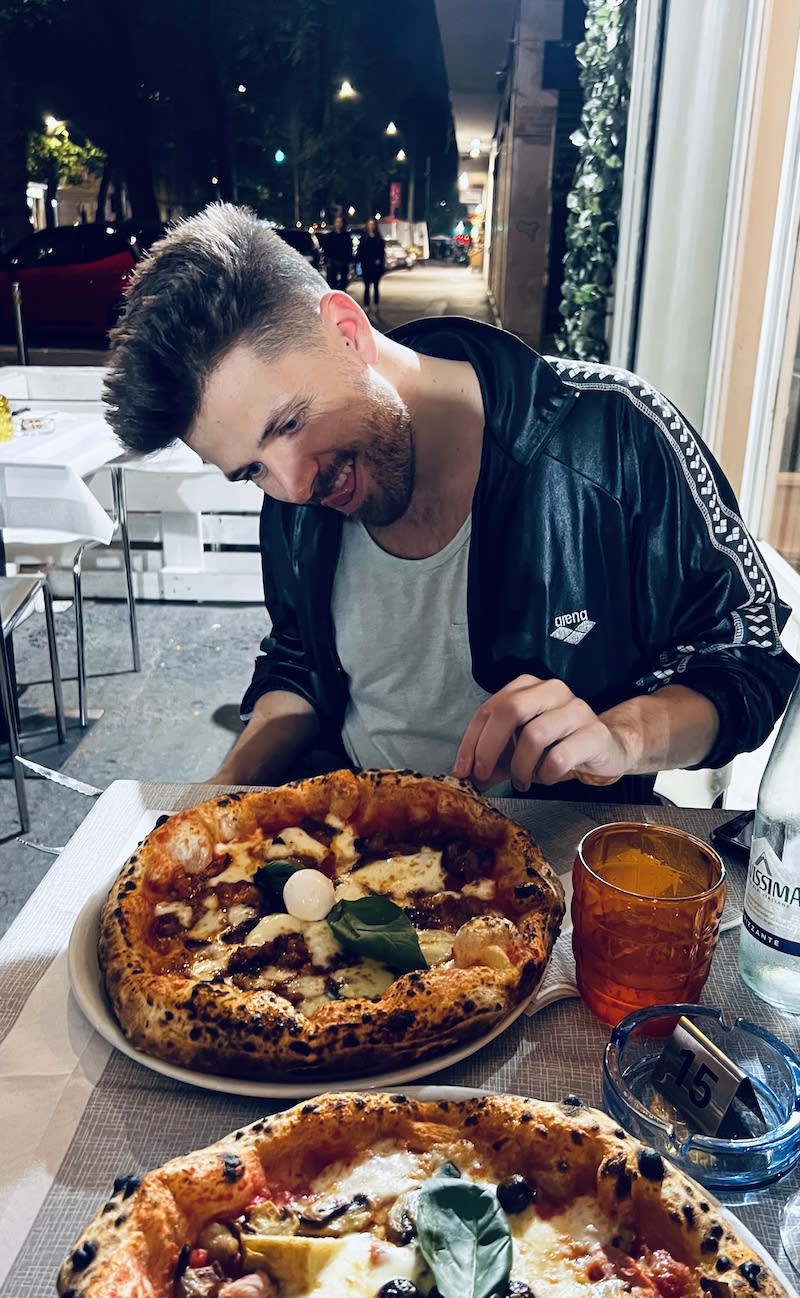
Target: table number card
[[703, 1082]]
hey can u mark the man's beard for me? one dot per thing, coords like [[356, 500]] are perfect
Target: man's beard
[[386, 450]]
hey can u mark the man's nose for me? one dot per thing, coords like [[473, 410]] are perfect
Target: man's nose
[[293, 476]]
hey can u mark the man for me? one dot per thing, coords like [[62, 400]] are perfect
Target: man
[[473, 559], [338, 255]]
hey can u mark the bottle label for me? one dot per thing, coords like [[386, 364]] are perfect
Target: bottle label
[[772, 900]]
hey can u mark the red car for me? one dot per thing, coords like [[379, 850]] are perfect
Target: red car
[[71, 279]]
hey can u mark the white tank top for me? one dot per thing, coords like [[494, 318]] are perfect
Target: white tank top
[[402, 638]]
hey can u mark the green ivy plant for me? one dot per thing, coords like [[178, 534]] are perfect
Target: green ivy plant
[[594, 200]]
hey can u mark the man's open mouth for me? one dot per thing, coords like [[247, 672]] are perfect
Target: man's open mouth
[[343, 488]]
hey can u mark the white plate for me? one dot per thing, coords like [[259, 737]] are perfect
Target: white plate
[[89, 992]]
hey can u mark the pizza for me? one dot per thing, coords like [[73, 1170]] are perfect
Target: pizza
[[387, 1196], [334, 926]]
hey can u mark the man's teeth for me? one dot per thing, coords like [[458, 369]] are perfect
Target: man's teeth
[[341, 479]]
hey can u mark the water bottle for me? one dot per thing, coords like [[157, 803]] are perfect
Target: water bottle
[[769, 946]]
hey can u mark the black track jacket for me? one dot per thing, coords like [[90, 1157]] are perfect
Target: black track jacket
[[607, 550]]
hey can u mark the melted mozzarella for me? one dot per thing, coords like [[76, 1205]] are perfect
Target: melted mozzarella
[[212, 923], [271, 926], [343, 845], [211, 961], [180, 909], [312, 990], [436, 944], [247, 857], [359, 1268], [397, 876], [316, 933], [369, 978], [384, 1174], [295, 840], [240, 912], [551, 1254], [483, 888]]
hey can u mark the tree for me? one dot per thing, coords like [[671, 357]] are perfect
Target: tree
[[23, 23], [57, 159]]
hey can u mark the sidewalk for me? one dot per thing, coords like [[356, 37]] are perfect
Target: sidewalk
[[430, 288]]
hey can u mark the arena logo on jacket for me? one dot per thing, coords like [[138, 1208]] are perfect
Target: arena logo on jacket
[[572, 627]]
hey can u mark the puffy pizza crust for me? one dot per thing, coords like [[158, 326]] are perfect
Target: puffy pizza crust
[[216, 1027], [132, 1247]]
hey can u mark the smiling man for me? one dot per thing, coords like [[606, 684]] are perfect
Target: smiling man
[[475, 559]]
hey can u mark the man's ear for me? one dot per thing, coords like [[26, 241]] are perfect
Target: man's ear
[[337, 310]]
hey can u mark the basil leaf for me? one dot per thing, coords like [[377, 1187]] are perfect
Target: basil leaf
[[271, 879], [376, 927], [464, 1236]]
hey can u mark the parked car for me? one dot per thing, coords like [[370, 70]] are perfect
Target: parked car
[[306, 243], [72, 280], [397, 256]]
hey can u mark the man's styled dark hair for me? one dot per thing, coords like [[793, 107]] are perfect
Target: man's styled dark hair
[[217, 279]]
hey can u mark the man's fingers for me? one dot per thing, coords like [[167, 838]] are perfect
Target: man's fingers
[[542, 734], [501, 708]]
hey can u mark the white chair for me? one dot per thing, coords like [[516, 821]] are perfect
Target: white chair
[[48, 518], [17, 595]]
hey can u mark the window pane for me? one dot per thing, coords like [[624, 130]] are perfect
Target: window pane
[[783, 530]]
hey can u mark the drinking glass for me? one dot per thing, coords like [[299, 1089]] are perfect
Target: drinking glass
[[646, 907]]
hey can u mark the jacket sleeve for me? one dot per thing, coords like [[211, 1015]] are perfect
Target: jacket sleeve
[[283, 662], [707, 603]]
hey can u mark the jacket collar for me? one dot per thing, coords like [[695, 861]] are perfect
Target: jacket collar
[[523, 396]]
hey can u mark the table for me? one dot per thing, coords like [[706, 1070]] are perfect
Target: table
[[83, 441], [77, 1113]]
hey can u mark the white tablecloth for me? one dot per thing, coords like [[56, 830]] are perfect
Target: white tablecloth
[[84, 442]]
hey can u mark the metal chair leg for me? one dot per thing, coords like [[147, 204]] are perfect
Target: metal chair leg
[[10, 709], [121, 515], [79, 641], [55, 670]]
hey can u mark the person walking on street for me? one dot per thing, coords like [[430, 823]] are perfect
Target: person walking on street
[[372, 256], [338, 255]]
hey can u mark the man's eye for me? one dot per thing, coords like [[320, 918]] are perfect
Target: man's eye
[[253, 471], [291, 425]]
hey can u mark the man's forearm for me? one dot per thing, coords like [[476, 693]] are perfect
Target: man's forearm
[[282, 726], [665, 731]]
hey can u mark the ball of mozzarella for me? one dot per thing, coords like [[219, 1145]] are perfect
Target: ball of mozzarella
[[308, 894]]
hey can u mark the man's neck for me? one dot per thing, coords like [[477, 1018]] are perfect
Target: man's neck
[[444, 398]]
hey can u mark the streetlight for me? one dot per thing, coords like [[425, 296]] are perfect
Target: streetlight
[[346, 91], [351, 211], [242, 89], [400, 155], [391, 129], [280, 156]]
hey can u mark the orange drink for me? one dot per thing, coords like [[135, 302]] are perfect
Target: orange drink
[[646, 907]]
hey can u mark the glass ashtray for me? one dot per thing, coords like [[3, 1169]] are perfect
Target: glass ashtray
[[769, 1145]]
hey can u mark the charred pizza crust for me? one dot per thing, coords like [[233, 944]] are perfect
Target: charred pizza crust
[[134, 1246], [214, 1025]]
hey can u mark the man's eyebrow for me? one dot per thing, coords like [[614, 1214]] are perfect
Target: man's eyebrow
[[288, 410]]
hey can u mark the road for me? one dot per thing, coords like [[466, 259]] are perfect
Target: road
[[430, 288]]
